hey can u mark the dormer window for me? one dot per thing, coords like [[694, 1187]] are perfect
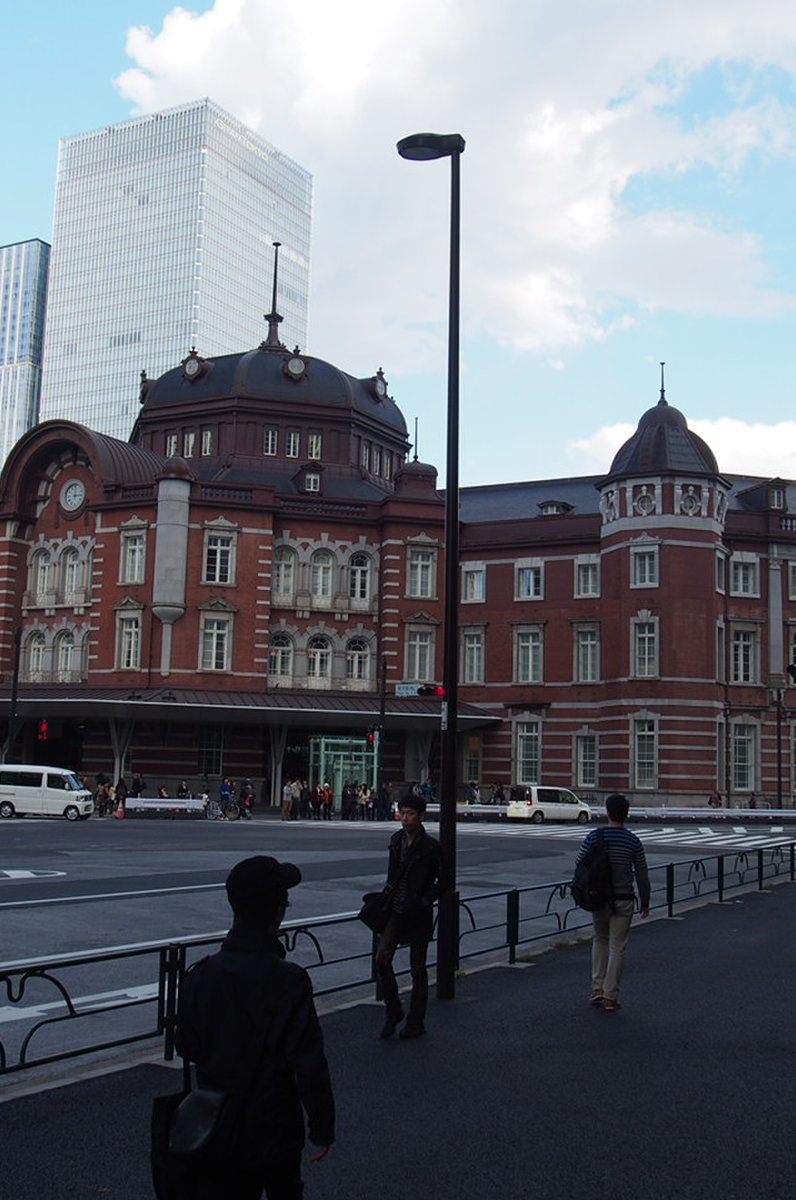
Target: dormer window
[[554, 508], [777, 498], [312, 481]]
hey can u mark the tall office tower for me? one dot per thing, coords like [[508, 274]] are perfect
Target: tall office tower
[[162, 241], [23, 302]]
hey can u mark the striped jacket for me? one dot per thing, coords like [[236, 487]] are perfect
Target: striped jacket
[[628, 861]]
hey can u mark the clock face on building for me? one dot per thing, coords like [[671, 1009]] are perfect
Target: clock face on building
[[73, 494]]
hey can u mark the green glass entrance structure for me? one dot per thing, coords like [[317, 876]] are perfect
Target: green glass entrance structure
[[341, 760]]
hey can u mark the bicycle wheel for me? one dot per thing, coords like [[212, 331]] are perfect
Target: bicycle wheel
[[232, 812], [212, 810]]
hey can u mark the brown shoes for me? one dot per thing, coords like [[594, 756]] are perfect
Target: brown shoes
[[611, 1005], [596, 998]]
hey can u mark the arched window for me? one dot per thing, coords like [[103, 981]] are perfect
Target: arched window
[[357, 662], [284, 574], [35, 650], [42, 570], [71, 573], [321, 577], [319, 662], [359, 577], [65, 657], [280, 659]]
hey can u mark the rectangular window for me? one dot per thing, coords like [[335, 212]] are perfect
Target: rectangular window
[[721, 573], [645, 649], [645, 754], [529, 746], [292, 443], [171, 445], [721, 653], [312, 482], [364, 456], [219, 557], [314, 445], [270, 441], [744, 576], [387, 465], [473, 657], [129, 644], [207, 442], [587, 578], [644, 568], [744, 757], [422, 565], [473, 584], [529, 582], [420, 654], [215, 643], [743, 665], [188, 443], [376, 460], [133, 557], [529, 656], [792, 580], [210, 758], [587, 655], [586, 760]]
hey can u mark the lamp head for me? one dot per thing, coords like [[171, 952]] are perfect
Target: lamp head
[[422, 146]]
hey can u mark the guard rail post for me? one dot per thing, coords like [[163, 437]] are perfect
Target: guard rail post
[[512, 923], [720, 876], [174, 970], [760, 869], [670, 889]]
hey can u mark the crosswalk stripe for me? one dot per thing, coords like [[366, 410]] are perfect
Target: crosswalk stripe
[[739, 839]]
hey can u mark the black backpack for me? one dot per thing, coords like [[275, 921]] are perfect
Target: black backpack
[[592, 886]]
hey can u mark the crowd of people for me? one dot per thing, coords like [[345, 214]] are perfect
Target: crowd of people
[[358, 802]]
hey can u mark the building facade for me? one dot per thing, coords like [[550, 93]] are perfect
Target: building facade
[[162, 240], [23, 304], [254, 582]]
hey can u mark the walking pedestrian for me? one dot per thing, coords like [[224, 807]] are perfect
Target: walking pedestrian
[[287, 800], [268, 1019], [417, 875], [611, 923]]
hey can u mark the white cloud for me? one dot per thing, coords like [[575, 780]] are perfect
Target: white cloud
[[564, 106], [740, 447]]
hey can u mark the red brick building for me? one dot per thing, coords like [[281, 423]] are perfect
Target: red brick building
[[254, 581]]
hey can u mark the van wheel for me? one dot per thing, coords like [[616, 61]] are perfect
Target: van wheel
[[582, 818], [71, 813], [537, 818], [6, 809]]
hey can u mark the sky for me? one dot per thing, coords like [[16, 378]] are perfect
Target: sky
[[627, 197]]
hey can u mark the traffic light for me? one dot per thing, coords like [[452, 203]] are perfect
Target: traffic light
[[43, 731], [370, 738], [430, 689]]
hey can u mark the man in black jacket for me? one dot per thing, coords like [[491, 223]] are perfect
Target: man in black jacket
[[416, 877], [247, 1019]]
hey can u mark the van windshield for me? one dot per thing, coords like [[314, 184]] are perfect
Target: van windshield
[[73, 784]]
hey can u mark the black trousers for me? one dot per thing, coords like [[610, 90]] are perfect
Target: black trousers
[[418, 953], [279, 1182]]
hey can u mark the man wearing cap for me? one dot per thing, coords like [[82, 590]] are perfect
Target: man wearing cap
[[247, 1014], [416, 876]]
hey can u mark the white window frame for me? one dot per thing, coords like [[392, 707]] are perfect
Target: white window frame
[[322, 568], [215, 642], [473, 583], [314, 446], [132, 559], [644, 567], [188, 444], [645, 634], [359, 577], [42, 564], [128, 641], [586, 760], [312, 482], [745, 755], [792, 579], [219, 558], [420, 654], [587, 654], [721, 572], [292, 443], [529, 579], [744, 574], [270, 442], [645, 753], [529, 654], [207, 442], [472, 651], [744, 654], [35, 661], [421, 572], [319, 661], [587, 577], [65, 656], [71, 572], [280, 656], [171, 445], [357, 661], [364, 456], [528, 751], [284, 574]]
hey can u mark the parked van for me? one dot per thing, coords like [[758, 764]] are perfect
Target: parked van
[[547, 804], [43, 792]]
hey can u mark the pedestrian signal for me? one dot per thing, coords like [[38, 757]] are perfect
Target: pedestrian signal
[[430, 689], [43, 730]]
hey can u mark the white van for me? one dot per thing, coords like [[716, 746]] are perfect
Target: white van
[[547, 804], [43, 792]]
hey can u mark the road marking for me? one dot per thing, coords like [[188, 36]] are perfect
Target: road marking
[[146, 991], [739, 839], [188, 887]]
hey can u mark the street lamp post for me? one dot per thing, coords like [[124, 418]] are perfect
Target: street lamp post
[[421, 147]]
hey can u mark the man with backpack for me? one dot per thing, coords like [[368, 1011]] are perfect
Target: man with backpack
[[609, 862]]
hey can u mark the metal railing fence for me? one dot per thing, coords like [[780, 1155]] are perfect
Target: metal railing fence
[[112, 994]]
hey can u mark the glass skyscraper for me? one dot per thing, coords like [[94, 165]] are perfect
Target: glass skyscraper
[[23, 302], [162, 241]]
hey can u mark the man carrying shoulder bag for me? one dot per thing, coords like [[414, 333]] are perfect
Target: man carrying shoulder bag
[[247, 1019]]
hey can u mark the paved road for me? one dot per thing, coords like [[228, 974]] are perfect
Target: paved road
[[521, 1089]]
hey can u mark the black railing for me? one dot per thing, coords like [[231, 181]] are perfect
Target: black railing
[[58, 1000]]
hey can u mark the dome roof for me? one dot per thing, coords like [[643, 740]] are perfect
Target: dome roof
[[263, 374], [663, 444]]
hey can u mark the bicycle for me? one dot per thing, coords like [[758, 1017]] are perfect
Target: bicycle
[[214, 811]]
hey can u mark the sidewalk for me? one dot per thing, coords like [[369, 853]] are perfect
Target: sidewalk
[[521, 1089]]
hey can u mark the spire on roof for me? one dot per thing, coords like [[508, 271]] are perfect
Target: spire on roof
[[273, 318], [663, 399]]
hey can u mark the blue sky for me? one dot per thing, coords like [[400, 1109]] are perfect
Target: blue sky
[[628, 190]]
